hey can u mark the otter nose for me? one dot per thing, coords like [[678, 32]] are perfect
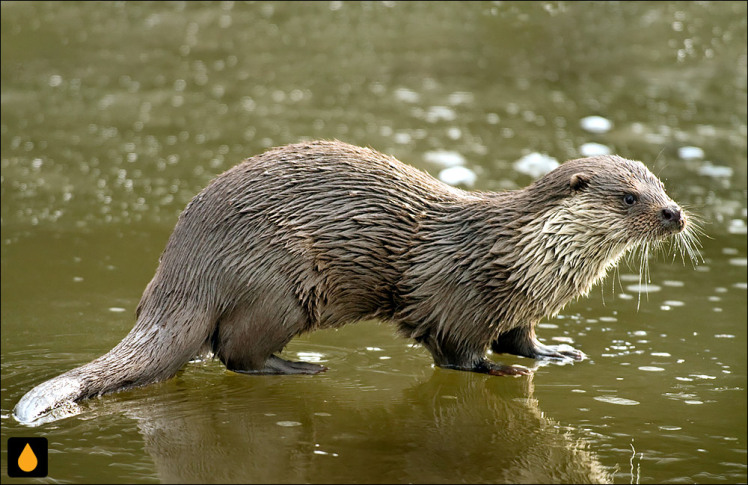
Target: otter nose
[[672, 217]]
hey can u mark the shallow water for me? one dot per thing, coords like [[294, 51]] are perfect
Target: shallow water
[[115, 114]]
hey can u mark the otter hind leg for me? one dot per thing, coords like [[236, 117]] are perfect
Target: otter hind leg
[[247, 337], [522, 341]]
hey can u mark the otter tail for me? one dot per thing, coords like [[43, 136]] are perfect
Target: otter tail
[[154, 350]]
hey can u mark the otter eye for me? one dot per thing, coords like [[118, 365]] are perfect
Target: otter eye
[[629, 199]]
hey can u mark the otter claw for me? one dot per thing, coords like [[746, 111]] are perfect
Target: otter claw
[[559, 352]]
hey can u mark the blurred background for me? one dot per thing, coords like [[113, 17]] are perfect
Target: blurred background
[[115, 114]]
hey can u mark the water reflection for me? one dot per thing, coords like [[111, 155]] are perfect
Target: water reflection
[[448, 428]]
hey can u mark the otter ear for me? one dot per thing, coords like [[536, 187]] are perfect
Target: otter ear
[[579, 182]]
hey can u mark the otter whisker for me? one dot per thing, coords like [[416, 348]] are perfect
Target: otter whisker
[[689, 242], [643, 271]]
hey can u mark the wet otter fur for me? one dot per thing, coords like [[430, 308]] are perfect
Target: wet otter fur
[[321, 234]]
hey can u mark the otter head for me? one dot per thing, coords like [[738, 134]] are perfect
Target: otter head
[[590, 212], [629, 198]]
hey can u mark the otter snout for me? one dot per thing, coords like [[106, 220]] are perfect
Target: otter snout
[[673, 218]]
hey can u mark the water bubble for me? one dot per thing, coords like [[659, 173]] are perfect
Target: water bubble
[[594, 149], [616, 400], [690, 153], [454, 133], [651, 368], [643, 288], [310, 356], [407, 95], [402, 138], [596, 124], [55, 80], [716, 171], [460, 97], [288, 424], [535, 164], [437, 113], [458, 176], [445, 158]]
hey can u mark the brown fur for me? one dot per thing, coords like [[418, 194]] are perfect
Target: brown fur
[[321, 234]]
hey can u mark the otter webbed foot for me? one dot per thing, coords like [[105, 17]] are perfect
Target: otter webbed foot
[[522, 341], [276, 365], [556, 352]]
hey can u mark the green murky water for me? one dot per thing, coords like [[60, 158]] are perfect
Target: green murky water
[[115, 114]]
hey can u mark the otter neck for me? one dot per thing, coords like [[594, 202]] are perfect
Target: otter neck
[[553, 257]]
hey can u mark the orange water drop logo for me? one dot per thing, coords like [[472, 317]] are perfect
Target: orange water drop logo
[[27, 460]]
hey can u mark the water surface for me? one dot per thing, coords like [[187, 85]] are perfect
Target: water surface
[[115, 114]]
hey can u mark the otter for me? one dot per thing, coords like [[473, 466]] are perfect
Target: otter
[[321, 234]]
